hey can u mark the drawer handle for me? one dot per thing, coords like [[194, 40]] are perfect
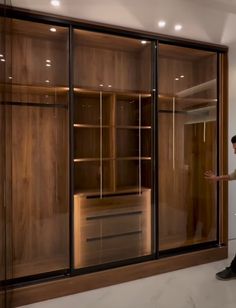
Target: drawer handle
[[99, 238], [114, 215], [113, 195]]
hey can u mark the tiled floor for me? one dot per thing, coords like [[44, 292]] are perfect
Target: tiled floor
[[194, 287]]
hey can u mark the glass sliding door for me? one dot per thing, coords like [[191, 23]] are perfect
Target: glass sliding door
[[112, 149], [3, 252], [37, 148], [187, 134]]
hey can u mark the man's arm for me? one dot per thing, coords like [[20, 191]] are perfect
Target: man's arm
[[209, 175]]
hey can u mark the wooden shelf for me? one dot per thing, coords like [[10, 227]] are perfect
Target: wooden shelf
[[187, 99], [197, 88], [134, 158], [81, 160], [122, 94], [121, 191], [34, 104], [111, 126], [34, 89], [92, 126], [132, 127]]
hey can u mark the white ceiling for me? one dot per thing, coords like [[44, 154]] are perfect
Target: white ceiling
[[207, 20]]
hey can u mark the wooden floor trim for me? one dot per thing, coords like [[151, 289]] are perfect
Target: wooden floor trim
[[72, 285]]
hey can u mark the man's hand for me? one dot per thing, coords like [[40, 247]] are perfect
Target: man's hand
[[209, 175]]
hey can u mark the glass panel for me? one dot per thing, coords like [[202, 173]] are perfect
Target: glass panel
[[3, 252], [112, 148], [187, 146], [37, 148]]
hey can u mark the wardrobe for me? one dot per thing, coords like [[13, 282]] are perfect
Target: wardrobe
[[105, 137]]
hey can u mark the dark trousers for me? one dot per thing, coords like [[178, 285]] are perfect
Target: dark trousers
[[233, 264]]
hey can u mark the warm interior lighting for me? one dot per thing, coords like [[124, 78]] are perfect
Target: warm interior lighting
[[176, 78], [48, 64], [9, 77], [161, 24], [53, 29], [1, 56], [3, 60], [48, 61], [143, 42], [178, 27], [47, 81], [101, 85], [55, 2], [109, 86], [182, 76]]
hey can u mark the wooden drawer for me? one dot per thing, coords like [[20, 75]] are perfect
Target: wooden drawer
[[112, 228]]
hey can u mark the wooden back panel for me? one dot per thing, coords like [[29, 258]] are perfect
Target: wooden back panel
[[187, 202], [38, 150]]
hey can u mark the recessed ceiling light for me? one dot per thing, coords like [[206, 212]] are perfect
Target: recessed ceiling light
[[109, 86], [101, 85], [3, 60], [48, 61], [182, 76], [9, 77], [143, 42], [53, 29], [1, 56], [178, 27], [48, 64], [176, 78], [55, 2], [161, 24], [47, 81]]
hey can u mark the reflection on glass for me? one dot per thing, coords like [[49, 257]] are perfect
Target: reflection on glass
[[187, 146], [3, 252], [112, 148], [37, 135]]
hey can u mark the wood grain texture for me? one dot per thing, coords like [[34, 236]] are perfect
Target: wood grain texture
[[39, 192], [3, 218], [111, 228], [2, 183], [38, 159], [37, 149], [187, 147], [223, 136], [173, 194], [101, 60], [31, 44], [2, 196], [82, 283], [200, 156], [116, 145]]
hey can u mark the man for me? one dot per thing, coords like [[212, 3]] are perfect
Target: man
[[230, 271]]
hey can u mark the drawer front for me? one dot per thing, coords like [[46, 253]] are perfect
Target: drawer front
[[112, 228]]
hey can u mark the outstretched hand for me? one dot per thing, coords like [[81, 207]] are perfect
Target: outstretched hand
[[209, 175]]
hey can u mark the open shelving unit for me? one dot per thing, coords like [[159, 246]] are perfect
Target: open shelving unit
[[111, 130], [112, 146]]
